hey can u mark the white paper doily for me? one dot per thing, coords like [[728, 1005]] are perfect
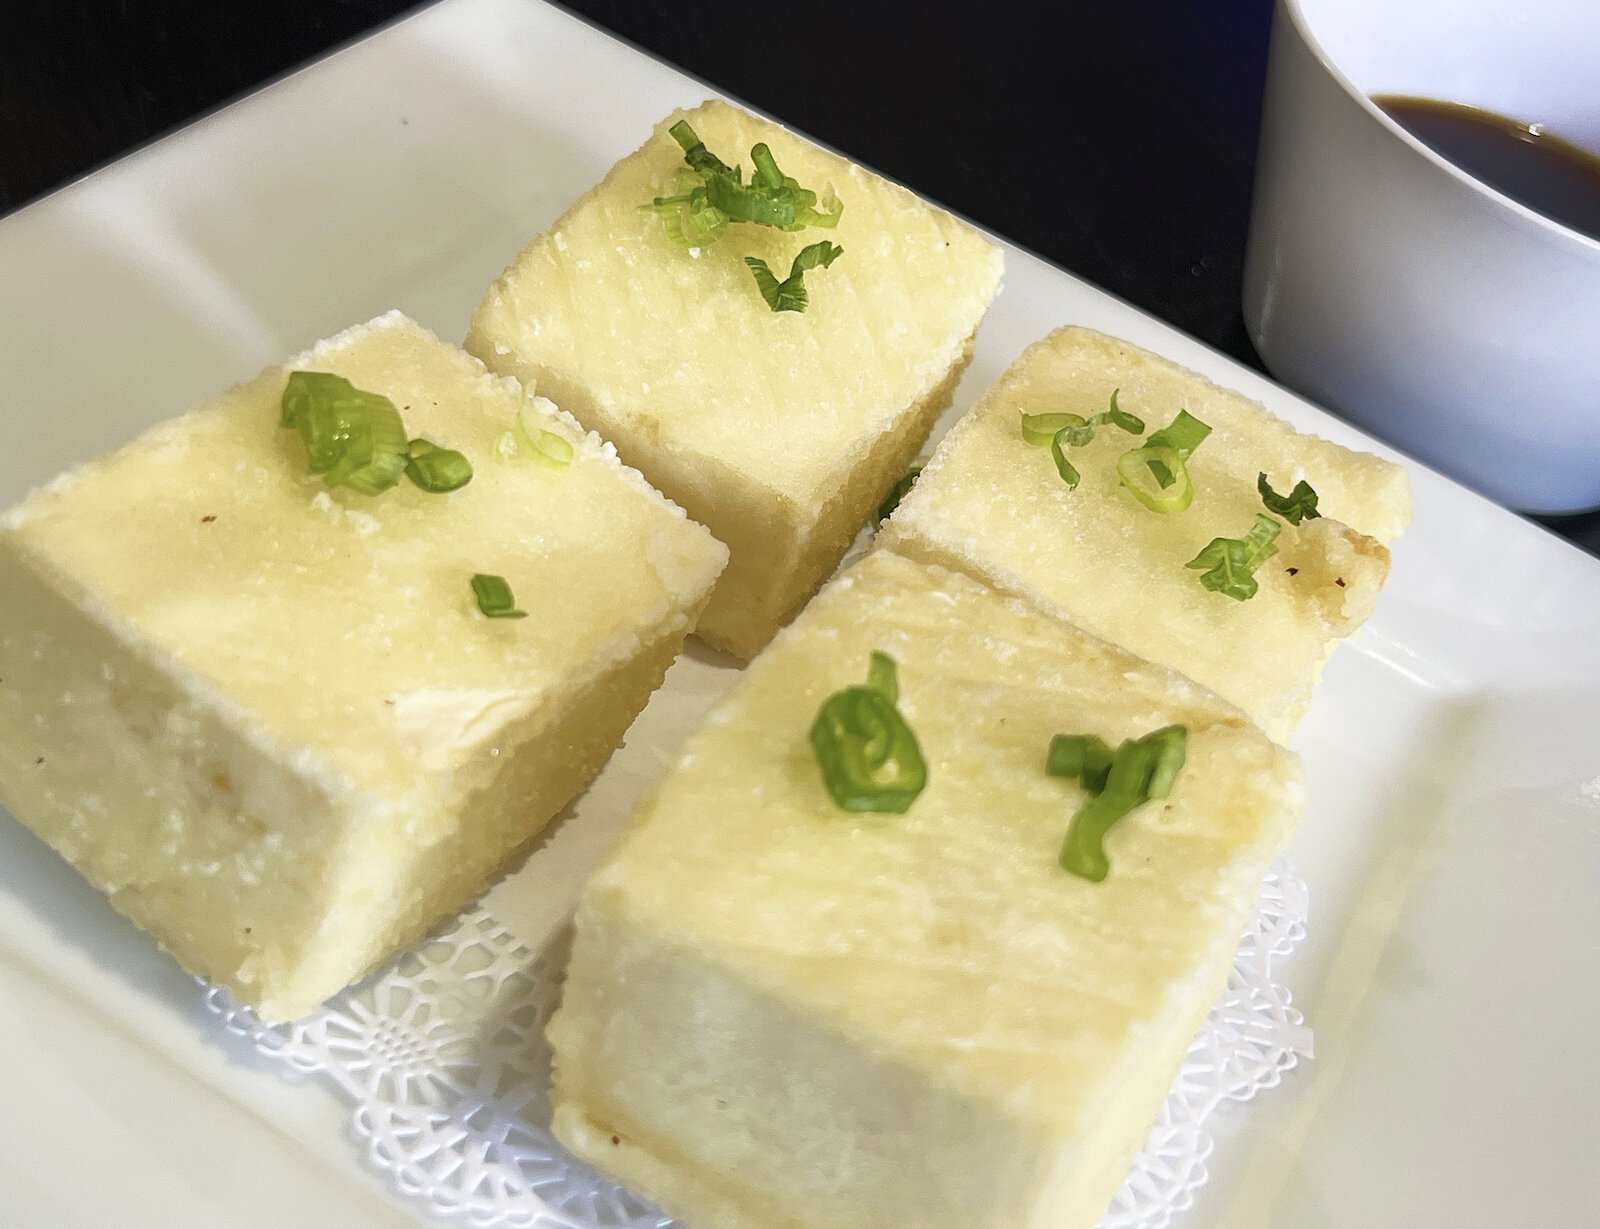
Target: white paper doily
[[445, 1062]]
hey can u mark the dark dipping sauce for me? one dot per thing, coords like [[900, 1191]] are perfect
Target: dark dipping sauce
[[1530, 165]]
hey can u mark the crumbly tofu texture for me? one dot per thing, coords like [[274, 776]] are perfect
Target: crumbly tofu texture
[[268, 720], [782, 1016], [781, 431], [993, 505]]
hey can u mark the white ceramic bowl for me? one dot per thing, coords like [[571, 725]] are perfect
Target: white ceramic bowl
[[1386, 282]]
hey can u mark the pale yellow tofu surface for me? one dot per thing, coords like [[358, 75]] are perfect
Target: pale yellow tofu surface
[[783, 1016], [993, 505], [781, 431], [268, 718]]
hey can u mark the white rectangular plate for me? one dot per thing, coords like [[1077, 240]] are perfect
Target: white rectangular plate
[[1452, 841]]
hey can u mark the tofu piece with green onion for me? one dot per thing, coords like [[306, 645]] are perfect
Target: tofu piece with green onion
[[782, 1013], [780, 430], [1133, 563], [269, 717]]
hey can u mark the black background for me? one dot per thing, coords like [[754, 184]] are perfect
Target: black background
[[1115, 137]]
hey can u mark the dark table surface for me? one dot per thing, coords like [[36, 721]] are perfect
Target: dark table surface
[[1115, 137]]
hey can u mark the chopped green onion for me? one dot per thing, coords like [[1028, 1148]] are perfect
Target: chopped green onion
[[548, 449], [695, 152], [897, 492], [868, 755], [1170, 749], [494, 597], [1139, 465], [437, 470], [688, 216], [1141, 770], [715, 194], [710, 194], [789, 295], [1298, 505], [1163, 457], [1078, 437], [824, 211], [752, 202], [1184, 433], [529, 439], [766, 167], [770, 198], [1042, 429], [1058, 453], [305, 390], [1084, 756], [1119, 417], [1231, 562], [353, 438], [883, 676]]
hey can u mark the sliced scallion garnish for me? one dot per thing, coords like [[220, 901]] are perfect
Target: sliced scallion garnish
[[1140, 770], [1140, 470], [494, 596], [1086, 757], [897, 492], [544, 447], [437, 470], [1058, 454], [530, 440], [1183, 434], [883, 676], [689, 218], [1042, 429], [761, 202], [1062, 430], [1119, 417], [1230, 563], [711, 194], [1298, 505], [1163, 457], [789, 295], [700, 159], [868, 755], [353, 438]]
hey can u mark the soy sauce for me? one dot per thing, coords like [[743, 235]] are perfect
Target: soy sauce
[[1525, 161]]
